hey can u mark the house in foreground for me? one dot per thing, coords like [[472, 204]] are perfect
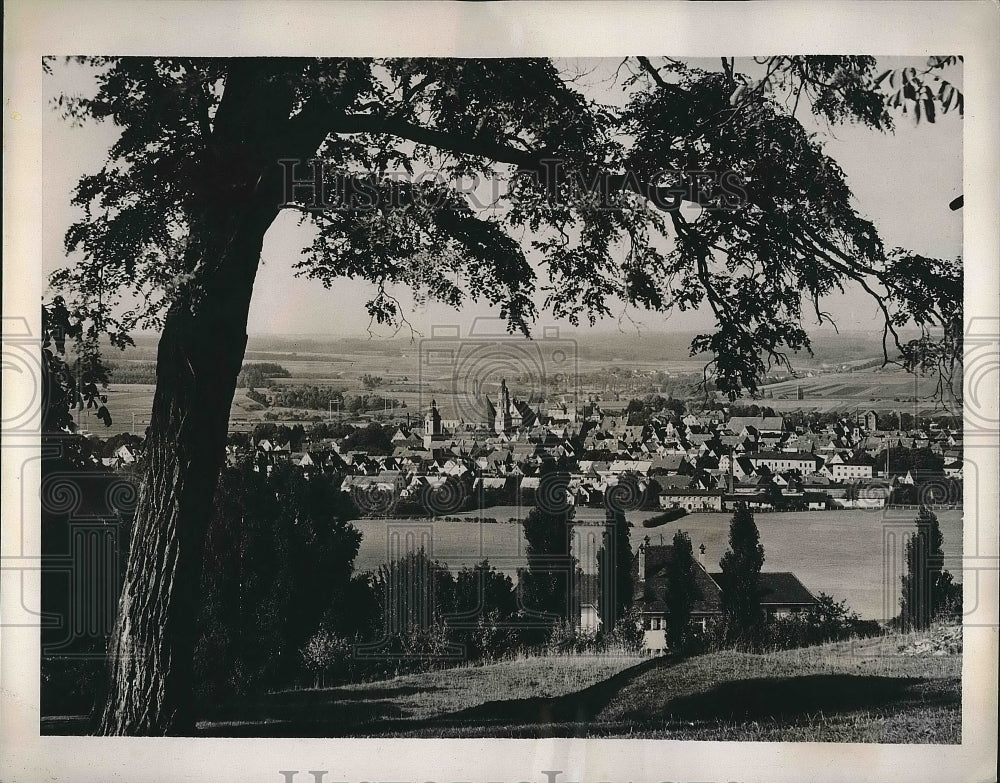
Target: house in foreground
[[782, 593]]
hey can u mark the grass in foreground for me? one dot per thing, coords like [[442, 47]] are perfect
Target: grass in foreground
[[412, 699], [874, 690], [893, 689]]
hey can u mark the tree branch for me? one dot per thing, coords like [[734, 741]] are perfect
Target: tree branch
[[541, 163]]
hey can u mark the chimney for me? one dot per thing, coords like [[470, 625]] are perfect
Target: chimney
[[701, 555]]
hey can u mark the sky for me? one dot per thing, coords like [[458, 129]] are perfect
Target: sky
[[902, 181]]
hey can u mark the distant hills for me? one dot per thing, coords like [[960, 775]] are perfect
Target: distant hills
[[620, 348]]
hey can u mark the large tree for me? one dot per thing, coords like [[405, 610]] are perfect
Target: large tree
[[209, 155]]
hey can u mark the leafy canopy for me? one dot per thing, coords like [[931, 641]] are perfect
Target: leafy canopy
[[500, 180]]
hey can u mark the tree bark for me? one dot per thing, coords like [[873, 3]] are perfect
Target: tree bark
[[199, 357], [200, 354]]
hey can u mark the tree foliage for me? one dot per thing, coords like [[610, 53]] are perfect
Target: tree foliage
[[485, 614], [373, 439], [614, 570], [925, 582], [598, 189], [413, 593], [682, 589], [546, 583], [255, 375], [740, 578], [71, 384], [278, 563]]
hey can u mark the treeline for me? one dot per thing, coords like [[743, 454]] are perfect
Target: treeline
[[628, 380], [260, 374], [748, 410], [930, 485], [131, 372], [374, 438], [259, 397], [324, 398], [282, 606], [253, 375], [307, 397]]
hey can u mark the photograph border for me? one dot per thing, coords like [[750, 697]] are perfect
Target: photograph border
[[298, 27]]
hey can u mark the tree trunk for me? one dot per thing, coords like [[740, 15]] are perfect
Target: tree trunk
[[200, 355]]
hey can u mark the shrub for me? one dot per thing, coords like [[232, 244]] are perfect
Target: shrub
[[565, 638], [828, 621], [325, 654], [627, 635]]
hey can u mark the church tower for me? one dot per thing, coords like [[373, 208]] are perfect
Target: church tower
[[432, 421], [432, 427], [503, 421]]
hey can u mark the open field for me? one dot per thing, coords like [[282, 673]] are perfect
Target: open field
[[457, 373], [853, 554], [873, 690], [887, 389]]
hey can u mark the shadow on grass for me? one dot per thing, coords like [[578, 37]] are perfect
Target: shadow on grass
[[361, 715], [322, 712], [782, 699], [539, 713], [792, 697], [341, 694], [359, 711]]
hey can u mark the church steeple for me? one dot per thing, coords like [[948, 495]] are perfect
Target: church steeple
[[432, 421]]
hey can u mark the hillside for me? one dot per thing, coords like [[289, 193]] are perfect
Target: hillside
[[896, 688]]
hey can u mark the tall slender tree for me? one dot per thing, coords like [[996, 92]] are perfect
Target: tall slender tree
[[682, 588], [924, 582], [740, 580], [212, 151], [614, 570], [547, 582]]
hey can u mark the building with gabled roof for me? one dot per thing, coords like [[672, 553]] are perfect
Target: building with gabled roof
[[768, 426], [781, 592]]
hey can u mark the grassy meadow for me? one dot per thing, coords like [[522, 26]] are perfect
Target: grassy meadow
[[874, 690]]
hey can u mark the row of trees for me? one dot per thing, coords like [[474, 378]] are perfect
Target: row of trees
[[132, 372], [281, 598], [372, 438], [323, 398]]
